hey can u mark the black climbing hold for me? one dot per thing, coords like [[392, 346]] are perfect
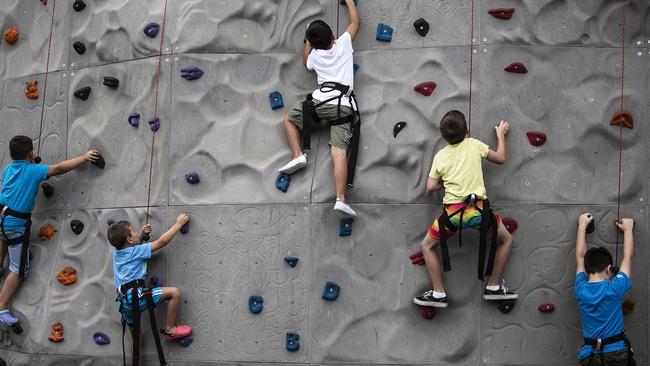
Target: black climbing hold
[[3, 362], [399, 126], [78, 5], [101, 339], [134, 119], [83, 93], [384, 33], [355, 68], [292, 343], [282, 182], [331, 291], [345, 227], [17, 328], [506, 306], [48, 191], [145, 237], [155, 281], [615, 270], [100, 162], [110, 222], [185, 228], [191, 73], [154, 123], [591, 227], [111, 82], [421, 26], [185, 341], [79, 47], [291, 261], [255, 304], [151, 30], [37, 160], [77, 226], [276, 100], [192, 178]]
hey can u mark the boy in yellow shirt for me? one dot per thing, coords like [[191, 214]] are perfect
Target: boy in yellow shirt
[[457, 168]]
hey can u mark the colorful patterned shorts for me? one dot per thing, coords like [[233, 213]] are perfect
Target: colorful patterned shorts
[[471, 218]]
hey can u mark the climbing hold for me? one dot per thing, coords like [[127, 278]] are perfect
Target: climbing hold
[[185, 341], [536, 138], [11, 35], [292, 343], [291, 261], [111, 82], [48, 190], [185, 228], [425, 88], [399, 126], [67, 276], [622, 117], [100, 162], [502, 13], [154, 124], [417, 258], [331, 291], [510, 224], [57, 333], [421, 26], [144, 237], [591, 227], [101, 339], [192, 178], [79, 47], [384, 33], [276, 100], [37, 160], [506, 306], [44, 2], [155, 281], [77, 226], [134, 119], [427, 312], [17, 328], [255, 304], [78, 5], [282, 182], [615, 270], [83, 93], [628, 306], [110, 222], [151, 30], [356, 2], [31, 89], [191, 73], [546, 308], [345, 227], [355, 68], [517, 68], [46, 232]]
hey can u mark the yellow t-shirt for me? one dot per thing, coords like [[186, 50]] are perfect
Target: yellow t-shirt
[[459, 168]]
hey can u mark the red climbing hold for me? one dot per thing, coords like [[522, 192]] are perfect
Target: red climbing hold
[[31, 89], [546, 308], [11, 35], [622, 117], [427, 312], [536, 138], [517, 68], [425, 88], [417, 258], [510, 224], [502, 13]]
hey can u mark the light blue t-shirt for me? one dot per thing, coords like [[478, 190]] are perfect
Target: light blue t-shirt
[[130, 264], [20, 181], [600, 309]]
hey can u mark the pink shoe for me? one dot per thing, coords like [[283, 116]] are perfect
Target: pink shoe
[[181, 331]]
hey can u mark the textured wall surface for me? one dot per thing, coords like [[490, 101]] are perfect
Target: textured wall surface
[[222, 127]]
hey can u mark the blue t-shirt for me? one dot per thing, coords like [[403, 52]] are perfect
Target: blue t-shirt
[[20, 180], [130, 264], [600, 309]]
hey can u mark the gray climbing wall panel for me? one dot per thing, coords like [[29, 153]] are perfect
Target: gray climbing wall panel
[[222, 127]]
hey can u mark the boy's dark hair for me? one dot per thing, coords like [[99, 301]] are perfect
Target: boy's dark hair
[[20, 147], [118, 233], [453, 127], [597, 260], [320, 35]]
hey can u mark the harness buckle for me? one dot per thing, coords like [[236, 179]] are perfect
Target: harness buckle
[[4, 211], [599, 343], [472, 200]]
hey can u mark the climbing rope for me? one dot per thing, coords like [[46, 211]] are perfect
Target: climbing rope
[[620, 133], [471, 66], [47, 72], [155, 111]]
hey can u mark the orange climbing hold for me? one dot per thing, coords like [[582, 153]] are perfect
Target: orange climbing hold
[[31, 89], [57, 333], [11, 35], [67, 276], [46, 232], [622, 117]]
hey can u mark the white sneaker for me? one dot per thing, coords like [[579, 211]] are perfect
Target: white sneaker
[[344, 208], [294, 165]]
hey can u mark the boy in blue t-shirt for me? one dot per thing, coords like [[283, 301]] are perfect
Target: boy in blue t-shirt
[[130, 264], [599, 293], [20, 181]]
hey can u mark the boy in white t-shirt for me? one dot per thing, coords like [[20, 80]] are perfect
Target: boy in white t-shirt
[[331, 58]]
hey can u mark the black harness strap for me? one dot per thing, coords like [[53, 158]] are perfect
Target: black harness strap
[[24, 239], [600, 343]]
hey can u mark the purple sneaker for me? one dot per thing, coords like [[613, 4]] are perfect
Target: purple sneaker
[[6, 317]]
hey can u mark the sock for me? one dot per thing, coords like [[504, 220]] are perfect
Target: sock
[[492, 287], [439, 295]]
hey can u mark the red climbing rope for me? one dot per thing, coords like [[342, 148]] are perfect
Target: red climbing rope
[[47, 71], [155, 110], [471, 67], [620, 133]]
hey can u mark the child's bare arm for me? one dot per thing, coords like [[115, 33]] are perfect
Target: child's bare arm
[[581, 242], [306, 52], [626, 225], [499, 156], [355, 19], [67, 165], [170, 233], [434, 184]]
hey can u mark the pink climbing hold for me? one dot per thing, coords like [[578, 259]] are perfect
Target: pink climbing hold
[[536, 138], [502, 13], [510, 224], [546, 308], [517, 68], [425, 88]]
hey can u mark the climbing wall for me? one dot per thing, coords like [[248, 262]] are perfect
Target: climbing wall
[[222, 127]]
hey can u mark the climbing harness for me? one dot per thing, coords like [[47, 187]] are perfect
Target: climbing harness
[[488, 224], [24, 239], [600, 343], [138, 290], [310, 117]]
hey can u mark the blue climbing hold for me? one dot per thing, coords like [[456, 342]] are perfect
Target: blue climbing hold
[[151, 30], [384, 33], [255, 304], [134, 119], [101, 338], [185, 228], [291, 261], [355, 68], [185, 341], [282, 182], [293, 343], [154, 123], [345, 228], [191, 73], [331, 291], [276, 100]]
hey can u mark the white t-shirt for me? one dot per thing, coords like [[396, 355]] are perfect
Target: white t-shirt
[[336, 65]]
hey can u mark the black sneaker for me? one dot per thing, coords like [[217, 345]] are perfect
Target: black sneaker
[[501, 294], [427, 299]]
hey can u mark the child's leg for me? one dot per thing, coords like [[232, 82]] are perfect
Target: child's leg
[[504, 241], [3, 253], [173, 295], [432, 262], [339, 158], [13, 281], [293, 137]]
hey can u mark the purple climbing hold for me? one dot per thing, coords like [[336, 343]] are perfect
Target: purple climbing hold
[[151, 30], [185, 228], [154, 123], [101, 339], [191, 73], [185, 341], [134, 119], [192, 178]]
